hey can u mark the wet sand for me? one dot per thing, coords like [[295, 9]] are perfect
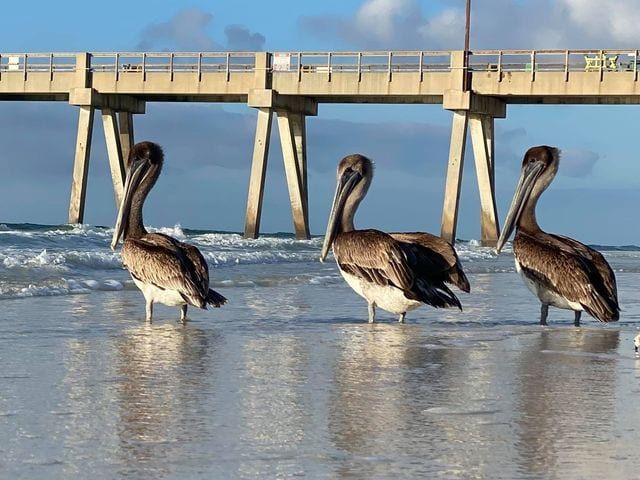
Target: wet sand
[[289, 380]]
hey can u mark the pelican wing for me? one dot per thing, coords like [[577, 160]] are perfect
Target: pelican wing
[[568, 268], [597, 260], [373, 256], [435, 258], [160, 260], [378, 258], [199, 264]]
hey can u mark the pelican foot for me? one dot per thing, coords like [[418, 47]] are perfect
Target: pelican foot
[[183, 314], [401, 318]]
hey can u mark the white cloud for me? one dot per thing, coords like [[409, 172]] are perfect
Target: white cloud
[[505, 24], [444, 27], [378, 18], [613, 20]]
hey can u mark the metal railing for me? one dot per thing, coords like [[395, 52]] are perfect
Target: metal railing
[[565, 61], [328, 63], [360, 63], [172, 63], [37, 62]]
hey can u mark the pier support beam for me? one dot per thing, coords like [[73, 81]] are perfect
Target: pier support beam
[[482, 140], [454, 176], [258, 173], [119, 140], [292, 162], [476, 113], [125, 124], [298, 128], [114, 151], [81, 165], [291, 112]]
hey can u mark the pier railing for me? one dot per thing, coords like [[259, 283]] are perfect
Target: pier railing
[[37, 62], [172, 62], [301, 63], [554, 60]]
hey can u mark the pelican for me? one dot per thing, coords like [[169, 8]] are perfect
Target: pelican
[[397, 272], [636, 342], [560, 271], [166, 270]]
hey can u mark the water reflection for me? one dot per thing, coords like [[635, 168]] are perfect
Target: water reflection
[[279, 304], [164, 375], [370, 360], [274, 408], [383, 382], [565, 399], [449, 404]]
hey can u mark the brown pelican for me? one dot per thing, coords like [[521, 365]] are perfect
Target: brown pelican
[[560, 271], [397, 272], [166, 270]]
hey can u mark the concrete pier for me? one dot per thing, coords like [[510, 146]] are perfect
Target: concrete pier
[[258, 173], [81, 165], [291, 85]]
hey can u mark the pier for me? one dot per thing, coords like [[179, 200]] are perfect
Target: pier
[[476, 88]]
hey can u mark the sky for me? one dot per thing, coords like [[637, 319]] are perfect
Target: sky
[[208, 146]]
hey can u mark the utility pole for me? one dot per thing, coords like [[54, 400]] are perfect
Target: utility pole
[[467, 23]]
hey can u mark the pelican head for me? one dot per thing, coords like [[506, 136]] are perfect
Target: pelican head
[[636, 342], [539, 166], [354, 176], [143, 168]]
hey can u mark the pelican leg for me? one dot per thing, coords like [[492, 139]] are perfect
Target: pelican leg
[[372, 313], [402, 315], [576, 321], [183, 313], [544, 311], [149, 308]]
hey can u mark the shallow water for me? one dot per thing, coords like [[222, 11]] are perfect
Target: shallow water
[[288, 379]]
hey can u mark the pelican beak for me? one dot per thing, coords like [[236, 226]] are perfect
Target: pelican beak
[[347, 181], [530, 173], [135, 173]]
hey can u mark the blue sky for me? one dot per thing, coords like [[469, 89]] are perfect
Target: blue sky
[[208, 146]]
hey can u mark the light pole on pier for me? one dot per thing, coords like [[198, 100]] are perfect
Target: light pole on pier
[[467, 23]]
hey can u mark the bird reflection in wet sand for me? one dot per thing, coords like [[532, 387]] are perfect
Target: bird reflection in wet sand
[[399, 397], [361, 422], [565, 402], [397, 272], [166, 270], [273, 408], [163, 381], [560, 271]]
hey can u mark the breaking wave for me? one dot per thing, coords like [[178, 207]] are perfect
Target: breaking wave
[[40, 260]]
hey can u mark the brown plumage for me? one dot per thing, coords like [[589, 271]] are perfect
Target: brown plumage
[[397, 271], [379, 258], [436, 256], [570, 269], [168, 264], [166, 270], [560, 271]]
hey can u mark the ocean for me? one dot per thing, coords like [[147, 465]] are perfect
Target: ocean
[[288, 379]]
